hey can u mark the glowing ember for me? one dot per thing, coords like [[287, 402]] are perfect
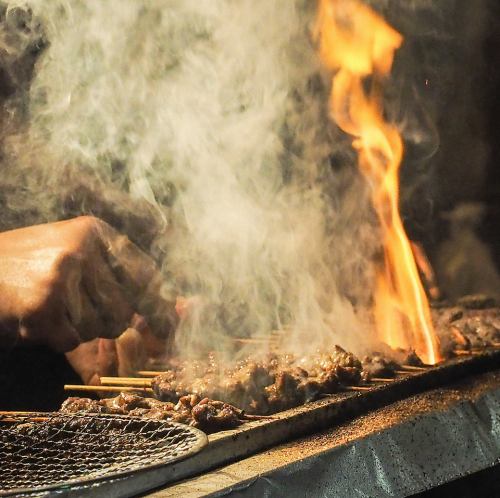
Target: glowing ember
[[358, 44]]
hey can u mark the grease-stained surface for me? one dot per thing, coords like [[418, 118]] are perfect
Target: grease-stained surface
[[401, 449]]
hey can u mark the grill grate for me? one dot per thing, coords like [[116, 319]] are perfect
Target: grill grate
[[47, 450]]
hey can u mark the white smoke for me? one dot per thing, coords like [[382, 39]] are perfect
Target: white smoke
[[215, 112]]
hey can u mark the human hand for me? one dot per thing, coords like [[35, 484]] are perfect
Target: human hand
[[72, 281], [122, 356]]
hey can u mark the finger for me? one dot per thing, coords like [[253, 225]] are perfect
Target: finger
[[184, 306], [133, 267], [159, 313], [107, 296], [107, 358], [156, 347], [131, 352], [66, 336], [90, 324], [140, 279], [83, 360], [94, 359], [139, 323], [52, 328]]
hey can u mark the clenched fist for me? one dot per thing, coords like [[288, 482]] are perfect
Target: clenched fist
[[73, 281]]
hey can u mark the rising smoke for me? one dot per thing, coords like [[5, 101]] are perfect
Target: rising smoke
[[204, 122], [214, 113]]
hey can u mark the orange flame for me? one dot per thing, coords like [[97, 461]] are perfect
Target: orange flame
[[357, 43]]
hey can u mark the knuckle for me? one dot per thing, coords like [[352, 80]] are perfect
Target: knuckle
[[91, 225], [88, 221], [122, 242]]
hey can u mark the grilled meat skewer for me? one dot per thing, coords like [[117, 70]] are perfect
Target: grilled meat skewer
[[206, 414], [262, 386]]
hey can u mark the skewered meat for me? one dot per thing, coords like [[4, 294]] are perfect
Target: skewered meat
[[213, 416], [480, 330], [74, 405], [411, 358], [475, 325], [477, 302], [377, 365], [271, 383], [205, 414], [123, 404], [263, 386]]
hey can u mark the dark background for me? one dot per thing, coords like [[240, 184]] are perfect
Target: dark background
[[490, 105], [447, 89]]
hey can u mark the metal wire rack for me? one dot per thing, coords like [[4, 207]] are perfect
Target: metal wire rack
[[44, 451]]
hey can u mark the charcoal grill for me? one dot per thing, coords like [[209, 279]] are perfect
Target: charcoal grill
[[339, 410], [41, 452]]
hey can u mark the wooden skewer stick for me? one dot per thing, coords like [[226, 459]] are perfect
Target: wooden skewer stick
[[15, 413], [150, 373], [414, 368], [496, 344], [465, 352], [73, 387], [460, 352], [262, 338], [125, 381], [8, 416], [407, 372], [260, 342], [381, 379], [356, 388], [347, 388]]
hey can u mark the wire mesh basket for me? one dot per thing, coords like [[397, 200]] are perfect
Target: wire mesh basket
[[45, 451]]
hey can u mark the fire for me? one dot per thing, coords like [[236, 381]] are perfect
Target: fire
[[358, 46]]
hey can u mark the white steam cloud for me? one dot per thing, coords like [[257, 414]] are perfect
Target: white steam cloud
[[214, 112]]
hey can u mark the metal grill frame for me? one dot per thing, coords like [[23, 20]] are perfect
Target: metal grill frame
[[9, 423]]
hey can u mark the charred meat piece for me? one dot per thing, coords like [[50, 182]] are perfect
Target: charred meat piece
[[167, 387], [74, 405], [377, 365], [245, 386], [123, 404], [206, 414], [454, 340], [344, 366], [411, 358], [284, 393], [475, 323], [479, 328], [213, 416], [477, 302]]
